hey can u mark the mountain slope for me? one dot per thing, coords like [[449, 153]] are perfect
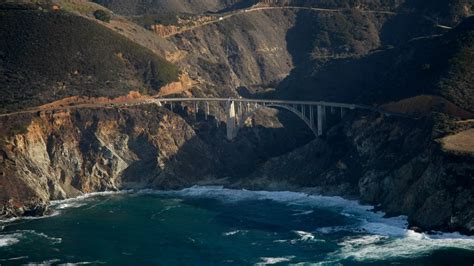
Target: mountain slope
[[439, 65], [45, 56], [138, 7]]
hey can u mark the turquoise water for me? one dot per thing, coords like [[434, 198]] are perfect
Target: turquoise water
[[215, 226]]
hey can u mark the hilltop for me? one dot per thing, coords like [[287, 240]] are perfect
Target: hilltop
[[46, 55]]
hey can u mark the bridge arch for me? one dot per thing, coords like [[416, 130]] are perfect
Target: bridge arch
[[249, 113]]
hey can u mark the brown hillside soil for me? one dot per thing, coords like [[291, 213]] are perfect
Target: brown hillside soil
[[132, 96], [461, 142], [425, 104]]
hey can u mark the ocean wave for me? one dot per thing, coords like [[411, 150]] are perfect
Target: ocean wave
[[273, 260], [235, 232], [15, 219], [377, 237], [412, 244], [8, 240], [302, 212], [11, 239], [58, 205], [349, 208], [76, 201], [15, 258], [81, 263], [28, 233]]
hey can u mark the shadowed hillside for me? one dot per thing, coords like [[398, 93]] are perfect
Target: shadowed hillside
[[138, 7], [50, 55], [440, 65]]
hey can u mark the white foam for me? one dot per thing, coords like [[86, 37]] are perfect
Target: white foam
[[53, 240], [65, 204], [15, 258], [274, 260], [387, 237], [14, 219], [304, 236], [8, 240], [44, 263], [376, 247], [349, 208], [81, 263], [377, 237], [68, 205], [303, 213], [74, 202], [235, 232]]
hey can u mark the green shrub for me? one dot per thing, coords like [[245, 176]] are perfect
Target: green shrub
[[102, 15]]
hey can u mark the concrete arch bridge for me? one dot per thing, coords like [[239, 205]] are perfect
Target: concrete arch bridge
[[238, 110]]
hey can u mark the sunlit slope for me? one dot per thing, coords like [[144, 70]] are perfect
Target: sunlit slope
[[47, 55]]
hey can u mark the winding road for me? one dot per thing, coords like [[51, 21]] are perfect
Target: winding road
[[263, 8]]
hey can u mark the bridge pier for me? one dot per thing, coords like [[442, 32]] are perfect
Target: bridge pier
[[321, 119], [230, 119], [343, 112], [208, 111]]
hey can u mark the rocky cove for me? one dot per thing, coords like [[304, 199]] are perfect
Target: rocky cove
[[396, 164]]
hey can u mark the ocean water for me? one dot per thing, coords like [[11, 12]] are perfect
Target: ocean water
[[217, 226]]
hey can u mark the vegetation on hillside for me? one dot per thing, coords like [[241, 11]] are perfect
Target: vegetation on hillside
[[163, 19], [138, 7], [49, 55], [102, 15], [436, 65]]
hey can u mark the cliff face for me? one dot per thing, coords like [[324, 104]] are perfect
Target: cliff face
[[52, 155], [63, 154], [396, 164]]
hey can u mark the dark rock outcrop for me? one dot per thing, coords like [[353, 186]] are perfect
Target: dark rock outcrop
[[392, 163]]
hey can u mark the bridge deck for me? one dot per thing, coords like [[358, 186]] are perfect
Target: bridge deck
[[314, 103]]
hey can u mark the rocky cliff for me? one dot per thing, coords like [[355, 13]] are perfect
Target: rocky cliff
[[402, 166], [57, 155], [395, 164], [52, 155]]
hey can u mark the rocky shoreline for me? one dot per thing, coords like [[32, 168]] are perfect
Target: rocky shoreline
[[391, 163]]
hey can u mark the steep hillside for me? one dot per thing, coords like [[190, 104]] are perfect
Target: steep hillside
[[391, 163], [46, 55], [439, 65], [137, 7]]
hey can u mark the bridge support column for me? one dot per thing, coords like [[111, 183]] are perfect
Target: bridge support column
[[321, 119], [240, 112], [208, 111], [230, 112], [343, 112]]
